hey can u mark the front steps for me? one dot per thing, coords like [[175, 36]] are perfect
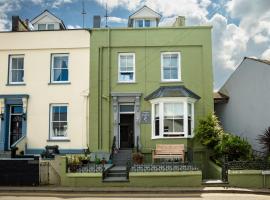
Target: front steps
[[5, 154], [122, 157], [214, 183], [117, 174]]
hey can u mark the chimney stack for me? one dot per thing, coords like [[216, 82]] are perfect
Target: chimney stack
[[96, 21], [180, 21]]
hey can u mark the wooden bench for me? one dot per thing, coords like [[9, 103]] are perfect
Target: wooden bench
[[173, 151]]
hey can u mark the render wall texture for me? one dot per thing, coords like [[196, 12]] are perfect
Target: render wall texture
[[194, 43], [247, 113], [37, 48]]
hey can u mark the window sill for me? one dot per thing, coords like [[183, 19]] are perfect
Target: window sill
[[126, 82], [15, 84], [60, 83], [58, 140], [172, 81], [159, 138]]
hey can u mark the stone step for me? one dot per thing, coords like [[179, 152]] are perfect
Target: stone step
[[213, 183], [115, 179], [118, 174]]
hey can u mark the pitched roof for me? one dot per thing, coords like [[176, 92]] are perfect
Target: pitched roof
[[172, 91], [47, 11], [154, 13], [220, 98], [259, 60]]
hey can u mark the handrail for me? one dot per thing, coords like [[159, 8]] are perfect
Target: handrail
[[17, 142], [113, 147], [18, 145]]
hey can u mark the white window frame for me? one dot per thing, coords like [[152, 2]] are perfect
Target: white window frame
[[161, 102], [133, 71], [51, 135], [52, 67], [10, 70], [152, 22], [179, 67], [46, 26]]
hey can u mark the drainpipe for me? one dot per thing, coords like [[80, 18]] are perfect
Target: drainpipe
[[110, 87], [100, 97]]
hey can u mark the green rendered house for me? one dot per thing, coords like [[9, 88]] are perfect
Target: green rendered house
[[149, 84]]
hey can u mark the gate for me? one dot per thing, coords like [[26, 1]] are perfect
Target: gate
[[44, 173], [19, 171]]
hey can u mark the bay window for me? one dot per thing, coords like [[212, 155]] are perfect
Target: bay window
[[172, 117]]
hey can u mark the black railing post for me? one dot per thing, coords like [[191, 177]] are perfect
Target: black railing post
[[225, 169]]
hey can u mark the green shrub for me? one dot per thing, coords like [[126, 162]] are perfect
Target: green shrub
[[209, 131], [210, 134], [235, 147]]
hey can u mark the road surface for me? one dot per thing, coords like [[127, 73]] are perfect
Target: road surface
[[128, 196]]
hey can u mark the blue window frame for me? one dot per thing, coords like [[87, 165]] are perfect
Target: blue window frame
[[59, 68]]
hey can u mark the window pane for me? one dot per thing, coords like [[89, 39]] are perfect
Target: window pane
[[14, 63], [57, 74], [178, 125], [55, 113], [178, 109], [157, 126], [20, 63], [17, 75], [139, 23], [156, 110], [41, 26], [126, 76], [16, 109], [147, 23], [166, 61], [57, 62], [166, 74], [189, 109], [64, 62], [174, 73], [63, 113], [126, 108], [129, 61], [64, 75], [50, 26], [189, 125], [168, 125]]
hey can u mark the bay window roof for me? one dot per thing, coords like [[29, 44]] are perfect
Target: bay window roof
[[172, 91]]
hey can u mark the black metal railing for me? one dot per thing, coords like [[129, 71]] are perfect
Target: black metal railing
[[84, 168], [137, 144], [113, 147], [248, 165], [164, 167]]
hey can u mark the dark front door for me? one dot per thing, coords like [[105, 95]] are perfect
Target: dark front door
[[15, 130], [126, 130]]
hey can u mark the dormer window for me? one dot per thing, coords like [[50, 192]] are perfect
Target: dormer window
[[47, 21], [144, 17], [140, 23]]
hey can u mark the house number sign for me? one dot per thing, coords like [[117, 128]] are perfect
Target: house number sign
[[145, 117]]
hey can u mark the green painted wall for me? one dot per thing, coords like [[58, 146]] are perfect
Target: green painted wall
[[136, 179], [194, 43]]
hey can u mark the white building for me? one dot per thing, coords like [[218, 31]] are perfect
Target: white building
[[44, 86], [242, 103]]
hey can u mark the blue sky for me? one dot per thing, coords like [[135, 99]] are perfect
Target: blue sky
[[240, 27]]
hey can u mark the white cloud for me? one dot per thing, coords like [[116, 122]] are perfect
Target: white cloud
[[74, 27], [58, 3], [129, 4], [117, 20], [266, 54], [5, 8]]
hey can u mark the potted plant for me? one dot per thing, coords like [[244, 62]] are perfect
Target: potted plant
[[73, 162], [103, 161], [97, 161], [85, 159], [137, 158]]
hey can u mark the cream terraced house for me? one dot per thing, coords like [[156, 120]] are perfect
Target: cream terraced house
[[44, 89]]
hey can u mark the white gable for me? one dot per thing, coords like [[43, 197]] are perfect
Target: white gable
[[47, 18], [145, 13]]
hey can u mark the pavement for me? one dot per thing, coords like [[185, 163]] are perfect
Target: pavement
[[130, 190]]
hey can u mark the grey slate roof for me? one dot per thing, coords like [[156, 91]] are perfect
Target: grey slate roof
[[172, 91]]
